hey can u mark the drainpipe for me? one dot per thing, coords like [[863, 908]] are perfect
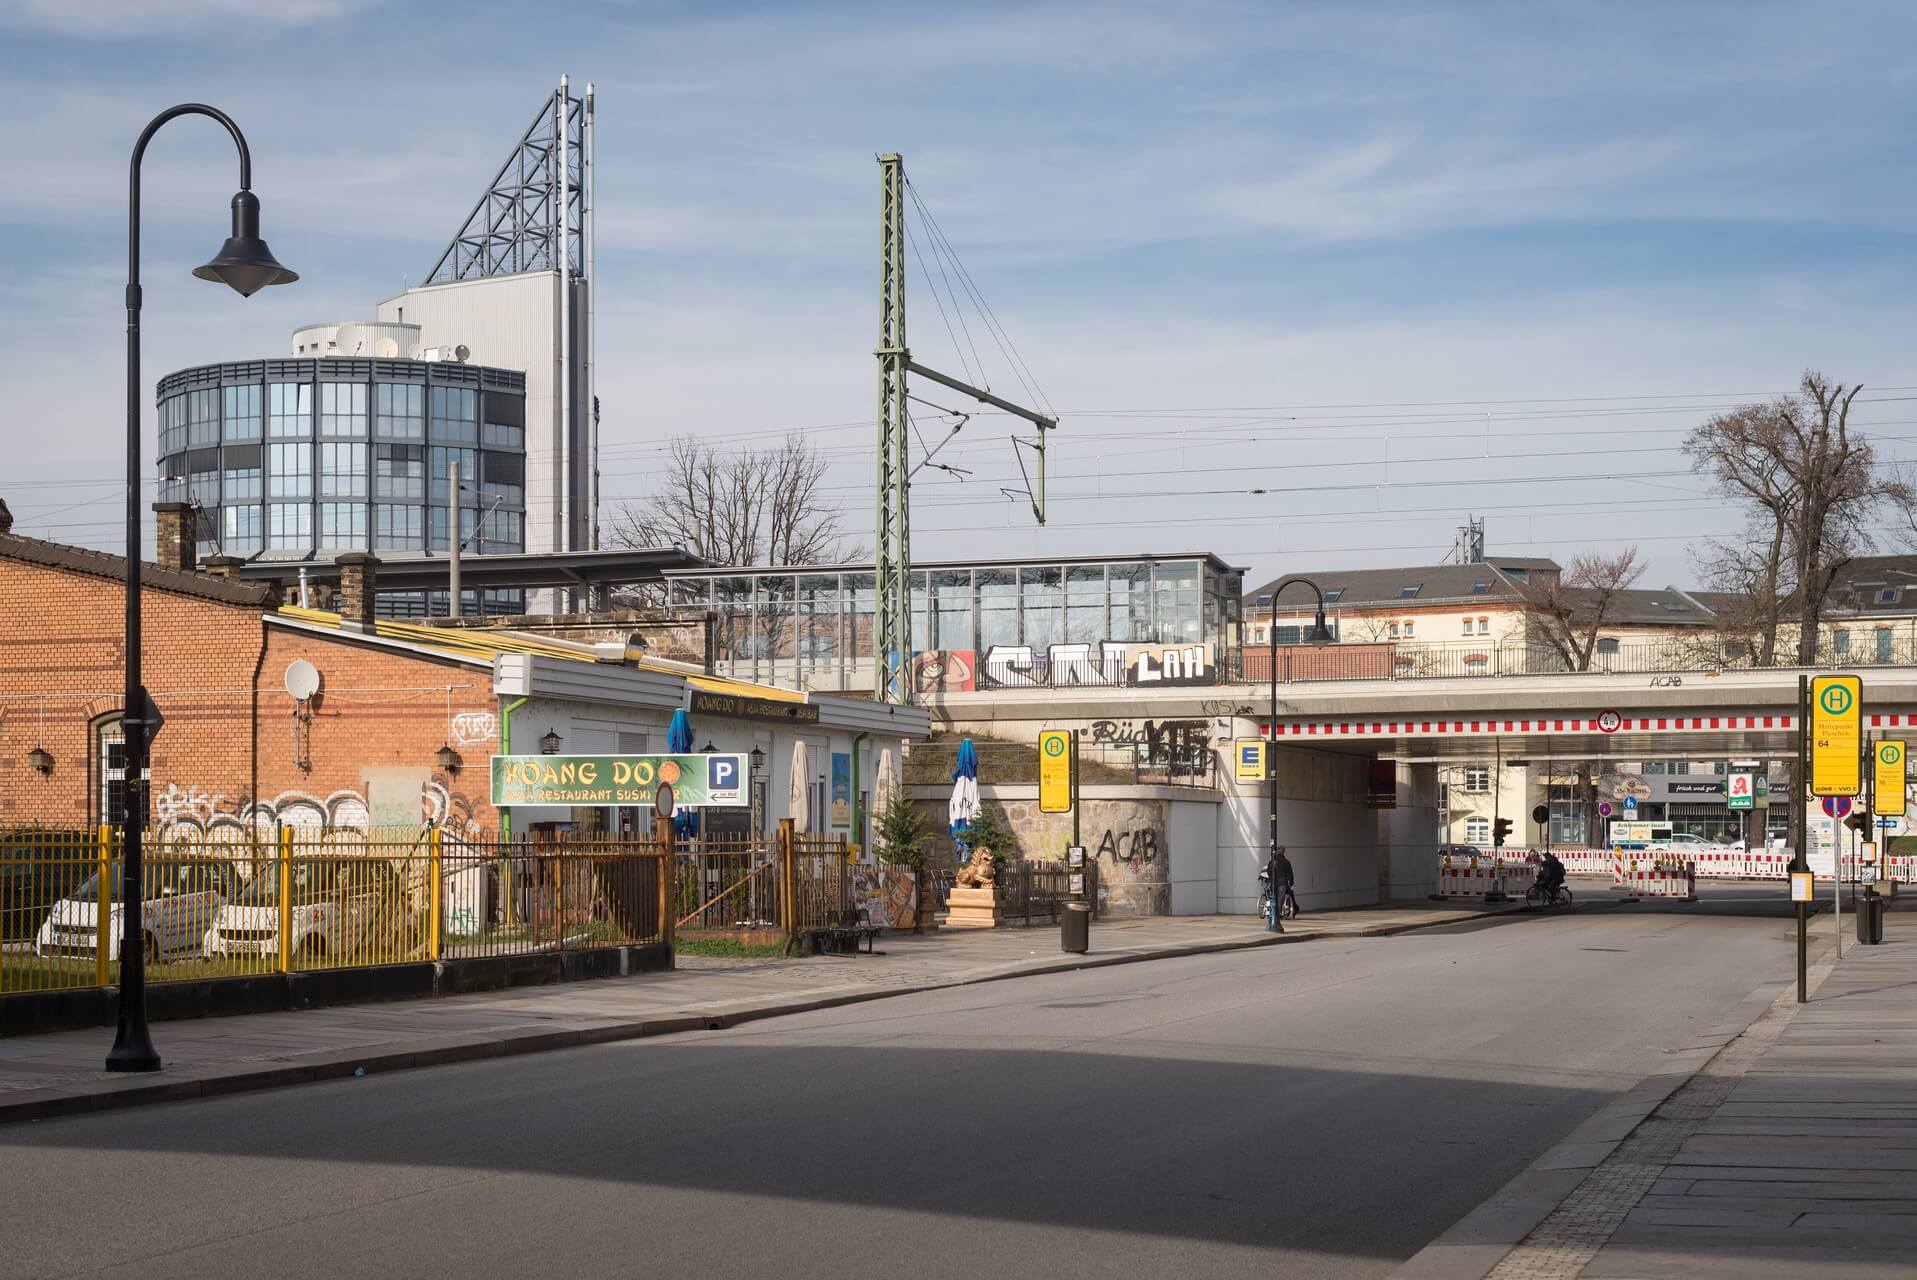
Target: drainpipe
[[506, 749], [858, 809]]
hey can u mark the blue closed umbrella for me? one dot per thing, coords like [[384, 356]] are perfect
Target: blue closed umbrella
[[964, 806], [678, 743]]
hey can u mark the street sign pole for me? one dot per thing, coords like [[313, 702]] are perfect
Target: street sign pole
[[1798, 861]]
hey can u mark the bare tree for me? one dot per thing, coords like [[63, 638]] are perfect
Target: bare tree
[[1571, 609], [750, 507], [1809, 490]]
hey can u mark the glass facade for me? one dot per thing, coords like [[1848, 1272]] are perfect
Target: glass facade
[[814, 627], [292, 457]]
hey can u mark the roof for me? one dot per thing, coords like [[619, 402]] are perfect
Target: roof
[[486, 645], [153, 577], [527, 570], [1664, 606], [918, 565], [1493, 579], [1875, 586]]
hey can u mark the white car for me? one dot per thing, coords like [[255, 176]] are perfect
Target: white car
[[339, 909], [182, 896]]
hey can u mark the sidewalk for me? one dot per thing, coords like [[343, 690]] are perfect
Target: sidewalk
[[1789, 1150], [58, 1073]]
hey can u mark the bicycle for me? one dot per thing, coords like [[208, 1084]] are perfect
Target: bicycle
[[1537, 896], [1288, 907]]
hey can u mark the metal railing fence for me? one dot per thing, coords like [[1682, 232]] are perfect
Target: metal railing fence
[[300, 900], [1493, 657]]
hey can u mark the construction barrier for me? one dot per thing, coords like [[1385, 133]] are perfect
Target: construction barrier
[[1485, 876], [1656, 878]]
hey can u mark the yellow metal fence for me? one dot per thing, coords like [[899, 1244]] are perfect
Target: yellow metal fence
[[301, 899]]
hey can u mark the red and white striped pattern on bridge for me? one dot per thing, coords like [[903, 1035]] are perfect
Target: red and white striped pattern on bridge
[[1422, 728]]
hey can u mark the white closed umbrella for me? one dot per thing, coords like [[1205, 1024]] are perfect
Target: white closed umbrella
[[886, 785], [799, 797]]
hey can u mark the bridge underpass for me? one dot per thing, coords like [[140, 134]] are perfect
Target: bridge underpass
[[1329, 732]]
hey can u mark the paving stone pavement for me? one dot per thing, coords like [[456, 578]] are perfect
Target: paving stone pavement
[[1791, 1152], [59, 1073]]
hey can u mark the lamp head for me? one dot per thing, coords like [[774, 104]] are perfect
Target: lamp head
[[1320, 633], [244, 264]]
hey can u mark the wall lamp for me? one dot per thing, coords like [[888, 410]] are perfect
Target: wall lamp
[[41, 759], [447, 759], [550, 743]]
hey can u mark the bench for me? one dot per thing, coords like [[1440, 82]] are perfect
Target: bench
[[841, 934]]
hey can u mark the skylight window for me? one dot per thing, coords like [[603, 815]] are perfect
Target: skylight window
[[1405, 593], [1331, 596], [1479, 588]]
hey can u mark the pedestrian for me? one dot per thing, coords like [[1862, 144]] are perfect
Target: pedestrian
[[1282, 878]]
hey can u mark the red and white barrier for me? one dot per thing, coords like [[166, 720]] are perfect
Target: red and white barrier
[[1656, 878], [1484, 876]]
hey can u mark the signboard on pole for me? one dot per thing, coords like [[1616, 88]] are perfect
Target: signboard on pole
[[1055, 771], [1837, 735], [696, 780], [1741, 792], [1888, 793], [1248, 754]]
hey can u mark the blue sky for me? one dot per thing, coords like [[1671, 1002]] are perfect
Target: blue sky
[[1391, 264]]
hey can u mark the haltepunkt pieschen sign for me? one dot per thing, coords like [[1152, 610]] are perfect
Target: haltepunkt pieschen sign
[[697, 780]]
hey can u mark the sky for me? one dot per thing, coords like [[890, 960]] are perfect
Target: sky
[[1306, 284]]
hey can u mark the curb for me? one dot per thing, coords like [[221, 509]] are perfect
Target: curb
[[1472, 1247], [222, 1080]]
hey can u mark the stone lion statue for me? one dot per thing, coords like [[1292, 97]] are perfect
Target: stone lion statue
[[980, 872]]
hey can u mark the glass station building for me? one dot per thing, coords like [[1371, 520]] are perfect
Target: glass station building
[[812, 628], [287, 458]]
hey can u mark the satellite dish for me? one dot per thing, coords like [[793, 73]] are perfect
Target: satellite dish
[[302, 680], [385, 348], [461, 351]]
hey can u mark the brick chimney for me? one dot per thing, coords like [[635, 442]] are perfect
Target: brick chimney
[[358, 580], [176, 524], [227, 567]]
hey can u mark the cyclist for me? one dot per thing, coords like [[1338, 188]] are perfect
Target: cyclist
[[1281, 877], [1550, 875]]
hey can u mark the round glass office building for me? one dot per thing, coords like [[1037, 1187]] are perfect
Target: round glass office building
[[287, 458]]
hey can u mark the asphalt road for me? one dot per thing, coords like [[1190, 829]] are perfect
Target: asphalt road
[[1314, 1110]]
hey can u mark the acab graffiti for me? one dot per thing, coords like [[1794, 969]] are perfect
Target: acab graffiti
[[1130, 848]]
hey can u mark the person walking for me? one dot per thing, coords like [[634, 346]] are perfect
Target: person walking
[[1282, 879]]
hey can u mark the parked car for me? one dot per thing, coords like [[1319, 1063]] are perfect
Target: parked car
[[34, 876], [182, 896], [1460, 851], [339, 909]]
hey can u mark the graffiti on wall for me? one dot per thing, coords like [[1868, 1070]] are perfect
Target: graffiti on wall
[[1107, 664], [1131, 849], [1157, 741], [199, 814], [470, 728]]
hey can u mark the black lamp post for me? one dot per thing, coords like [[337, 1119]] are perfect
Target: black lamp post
[[245, 265], [1319, 637]]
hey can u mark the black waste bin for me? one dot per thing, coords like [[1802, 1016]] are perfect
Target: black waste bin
[[1870, 918], [1075, 927]]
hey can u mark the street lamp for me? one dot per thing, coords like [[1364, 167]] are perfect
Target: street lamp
[[245, 265], [1319, 637]]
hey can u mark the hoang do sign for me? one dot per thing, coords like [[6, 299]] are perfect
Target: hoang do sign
[[697, 780]]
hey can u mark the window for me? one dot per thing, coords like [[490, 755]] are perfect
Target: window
[[1887, 595], [1653, 768], [342, 472], [1842, 642], [1331, 596], [342, 524], [505, 478], [468, 521], [1477, 780], [289, 409], [468, 460], [1476, 664], [1484, 626], [289, 470], [343, 409], [455, 411], [289, 526], [1409, 625], [504, 421], [1391, 629], [172, 425], [1883, 644], [1479, 588], [398, 528], [1517, 574], [401, 410], [112, 795], [399, 471], [1407, 592], [1477, 831], [242, 420], [1084, 605], [1607, 647], [203, 418], [502, 531], [997, 610], [242, 527]]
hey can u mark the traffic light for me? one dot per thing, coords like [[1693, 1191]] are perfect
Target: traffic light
[[1857, 821], [1499, 830]]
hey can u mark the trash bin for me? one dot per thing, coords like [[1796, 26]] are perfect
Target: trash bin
[[1870, 918], [1075, 927]]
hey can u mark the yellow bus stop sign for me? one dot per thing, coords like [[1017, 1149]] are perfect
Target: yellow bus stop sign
[[1055, 771], [1888, 790], [1837, 735]]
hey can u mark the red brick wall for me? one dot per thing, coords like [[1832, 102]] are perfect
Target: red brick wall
[[227, 757]]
